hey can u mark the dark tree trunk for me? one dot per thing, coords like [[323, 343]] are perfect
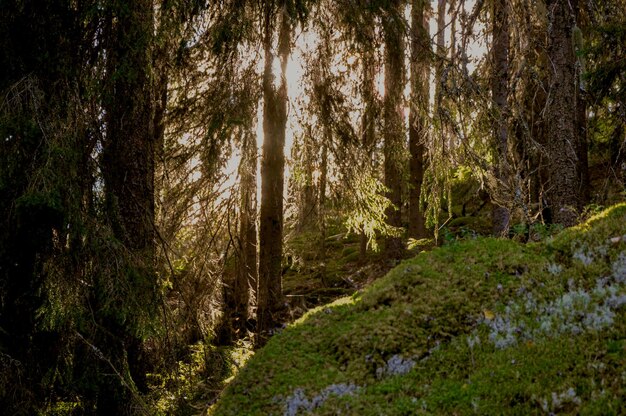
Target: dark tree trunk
[[617, 147], [581, 115], [307, 211], [564, 187], [583, 147], [368, 87], [159, 117], [394, 127], [500, 215], [440, 51], [527, 136], [247, 276], [368, 129], [321, 198], [129, 147], [418, 127], [270, 297], [128, 170]]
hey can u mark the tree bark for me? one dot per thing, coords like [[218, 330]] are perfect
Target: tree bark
[[128, 158], [247, 276], [581, 115], [394, 126], [321, 198], [564, 187], [583, 146], [500, 215], [418, 126], [440, 51], [368, 128], [307, 210], [270, 297], [128, 170]]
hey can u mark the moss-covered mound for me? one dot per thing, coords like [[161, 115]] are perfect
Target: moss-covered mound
[[480, 327]]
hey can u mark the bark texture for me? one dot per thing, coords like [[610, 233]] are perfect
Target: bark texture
[[321, 196], [129, 147], [418, 127], [440, 51], [500, 215], [128, 170], [564, 187], [270, 296], [247, 276], [581, 114], [307, 201], [368, 127], [394, 125]]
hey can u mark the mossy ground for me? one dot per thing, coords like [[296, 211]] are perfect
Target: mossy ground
[[435, 310]]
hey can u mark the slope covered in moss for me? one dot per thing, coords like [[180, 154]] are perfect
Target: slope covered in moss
[[485, 326]]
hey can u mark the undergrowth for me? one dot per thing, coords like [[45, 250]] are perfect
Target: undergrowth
[[186, 386], [484, 326]]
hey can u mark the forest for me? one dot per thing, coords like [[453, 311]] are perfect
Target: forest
[[299, 207]]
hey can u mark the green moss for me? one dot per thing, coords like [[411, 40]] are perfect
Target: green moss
[[427, 310]]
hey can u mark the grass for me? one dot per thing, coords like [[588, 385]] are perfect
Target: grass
[[484, 326]]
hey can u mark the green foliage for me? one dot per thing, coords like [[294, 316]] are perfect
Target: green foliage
[[437, 310], [606, 75], [534, 232], [366, 211], [183, 389], [420, 244]]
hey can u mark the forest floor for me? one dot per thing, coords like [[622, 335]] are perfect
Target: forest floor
[[315, 274], [484, 325], [313, 279]]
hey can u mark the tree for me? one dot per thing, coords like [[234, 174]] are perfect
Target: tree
[[499, 91], [246, 279], [418, 118], [45, 195], [371, 107], [128, 170], [564, 186], [393, 28], [270, 297]]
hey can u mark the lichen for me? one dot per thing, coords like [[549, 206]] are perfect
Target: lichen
[[558, 400], [298, 401], [396, 365]]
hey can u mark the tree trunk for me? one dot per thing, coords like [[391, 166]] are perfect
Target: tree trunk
[[321, 199], [440, 51], [583, 146], [581, 116], [247, 275], [270, 296], [307, 210], [128, 170], [129, 147], [500, 216], [418, 127], [394, 127], [564, 185], [368, 129]]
